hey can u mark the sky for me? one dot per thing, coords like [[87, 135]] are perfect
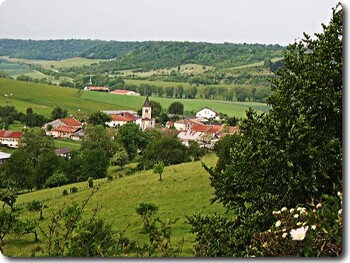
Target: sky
[[236, 21]]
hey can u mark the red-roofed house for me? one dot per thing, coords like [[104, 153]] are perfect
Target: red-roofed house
[[121, 119], [63, 128], [10, 138]]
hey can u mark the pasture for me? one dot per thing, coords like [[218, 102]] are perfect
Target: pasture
[[185, 190]]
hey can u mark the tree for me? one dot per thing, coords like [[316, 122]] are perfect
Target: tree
[[34, 142], [47, 164], [95, 164], [158, 168], [195, 150], [98, 137], [293, 153], [36, 206], [156, 108], [99, 118], [58, 113], [120, 158], [176, 108], [132, 138], [8, 198], [18, 171], [57, 179], [168, 150]]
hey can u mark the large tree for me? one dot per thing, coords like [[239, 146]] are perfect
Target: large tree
[[288, 156]]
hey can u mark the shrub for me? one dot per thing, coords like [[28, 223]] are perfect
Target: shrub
[[74, 190], [65, 192], [90, 182]]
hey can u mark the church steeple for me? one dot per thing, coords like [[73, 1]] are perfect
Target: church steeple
[[147, 109]]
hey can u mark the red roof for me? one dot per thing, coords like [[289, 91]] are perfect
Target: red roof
[[70, 122], [11, 134], [129, 116], [120, 91], [121, 118], [66, 129], [200, 128], [215, 129]]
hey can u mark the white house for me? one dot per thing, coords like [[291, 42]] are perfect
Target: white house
[[119, 120], [125, 92], [10, 138], [207, 113]]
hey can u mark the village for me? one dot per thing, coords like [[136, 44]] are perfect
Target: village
[[198, 128]]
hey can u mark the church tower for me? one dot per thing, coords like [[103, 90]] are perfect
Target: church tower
[[147, 109], [147, 121]]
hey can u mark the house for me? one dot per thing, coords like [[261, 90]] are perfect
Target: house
[[4, 157], [64, 131], [182, 125], [125, 92], [119, 120], [10, 138], [99, 89], [186, 136], [63, 128], [118, 112], [207, 113]]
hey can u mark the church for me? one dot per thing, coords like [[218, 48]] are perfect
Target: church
[[146, 121]]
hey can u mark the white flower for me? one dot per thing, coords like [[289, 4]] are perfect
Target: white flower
[[313, 227], [291, 210], [340, 211], [299, 223], [284, 235], [319, 205], [278, 223], [296, 216], [284, 209], [299, 233]]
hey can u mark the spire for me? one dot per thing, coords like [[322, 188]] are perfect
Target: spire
[[147, 103]]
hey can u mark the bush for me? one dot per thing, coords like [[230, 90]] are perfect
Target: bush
[[65, 192], [74, 190], [90, 182]]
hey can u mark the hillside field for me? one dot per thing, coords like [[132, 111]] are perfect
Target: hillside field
[[185, 190], [43, 98]]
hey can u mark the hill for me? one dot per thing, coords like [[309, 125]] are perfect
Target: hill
[[44, 98], [185, 190]]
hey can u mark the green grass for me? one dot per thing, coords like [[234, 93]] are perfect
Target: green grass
[[185, 190], [237, 109], [44, 98], [61, 143], [12, 69], [66, 63]]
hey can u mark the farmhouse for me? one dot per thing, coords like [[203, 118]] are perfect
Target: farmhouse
[[125, 92], [120, 119], [207, 113], [10, 138], [64, 128], [99, 89]]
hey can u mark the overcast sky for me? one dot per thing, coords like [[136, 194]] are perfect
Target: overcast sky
[[236, 21]]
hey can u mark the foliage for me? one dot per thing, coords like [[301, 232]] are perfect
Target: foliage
[[94, 164], [176, 108], [132, 138], [99, 118], [158, 168], [90, 181], [36, 206], [8, 197], [167, 150], [321, 224], [195, 151], [120, 157], [58, 113], [57, 179], [294, 152], [46, 166], [98, 137]]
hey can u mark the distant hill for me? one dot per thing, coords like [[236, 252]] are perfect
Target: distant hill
[[141, 55]]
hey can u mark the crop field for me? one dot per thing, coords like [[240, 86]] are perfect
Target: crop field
[[13, 69], [185, 190], [66, 63]]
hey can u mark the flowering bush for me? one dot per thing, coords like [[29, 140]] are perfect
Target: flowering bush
[[314, 230]]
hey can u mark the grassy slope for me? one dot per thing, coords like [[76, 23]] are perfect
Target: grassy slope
[[43, 98], [237, 109], [184, 191]]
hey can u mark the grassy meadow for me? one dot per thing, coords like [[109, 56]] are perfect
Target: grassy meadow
[[43, 98], [185, 190]]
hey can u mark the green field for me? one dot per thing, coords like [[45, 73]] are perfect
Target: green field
[[185, 190], [66, 63], [13, 69], [43, 98], [237, 109]]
